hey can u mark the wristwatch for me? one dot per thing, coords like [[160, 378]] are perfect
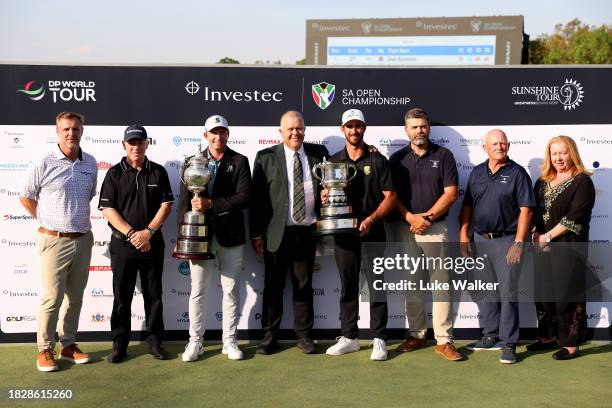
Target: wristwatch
[[151, 231], [547, 238], [519, 244]]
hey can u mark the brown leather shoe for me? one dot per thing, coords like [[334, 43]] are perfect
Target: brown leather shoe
[[449, 352], [74, 354], [411, 344]]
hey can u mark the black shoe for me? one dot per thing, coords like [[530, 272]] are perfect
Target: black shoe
[[268, 346], [307, 345], [118, 353], [158, 351], [541, 346], [564, 354]]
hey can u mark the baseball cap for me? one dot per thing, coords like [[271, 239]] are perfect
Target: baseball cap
[[352, 114], [215, 121], [134, 132]]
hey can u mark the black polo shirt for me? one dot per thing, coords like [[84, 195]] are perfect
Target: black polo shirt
[[496, 199], [136, 195], [420, 180], [365, 191]]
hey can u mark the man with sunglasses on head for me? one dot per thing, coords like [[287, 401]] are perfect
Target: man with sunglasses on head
[[136, 199]]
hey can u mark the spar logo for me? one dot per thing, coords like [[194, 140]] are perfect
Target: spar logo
[[569, 95], [323, 94], [33, 91]]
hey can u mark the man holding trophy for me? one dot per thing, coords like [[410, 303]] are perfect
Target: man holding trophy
[[221, 200], [370, 196], [282, 225]]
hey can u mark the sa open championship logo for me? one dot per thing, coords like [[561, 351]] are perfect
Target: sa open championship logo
[[323, 94]]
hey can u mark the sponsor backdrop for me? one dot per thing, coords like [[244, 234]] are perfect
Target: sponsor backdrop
[[530, 104]]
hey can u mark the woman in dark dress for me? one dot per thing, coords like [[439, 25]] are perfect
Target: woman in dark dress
[[565, 196]]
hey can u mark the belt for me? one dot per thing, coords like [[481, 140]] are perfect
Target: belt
[[493, 235], [61, 234]]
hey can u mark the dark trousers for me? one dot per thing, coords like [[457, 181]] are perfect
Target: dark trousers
[[499, 311], [126, 263], [347, 250], [295, 256], [564, 320]]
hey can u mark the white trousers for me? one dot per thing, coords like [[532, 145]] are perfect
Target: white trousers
[[228, 262]]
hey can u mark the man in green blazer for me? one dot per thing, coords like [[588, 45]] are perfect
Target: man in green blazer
[[283, 212]]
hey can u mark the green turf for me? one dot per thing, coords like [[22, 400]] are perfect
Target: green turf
[[289, 379]]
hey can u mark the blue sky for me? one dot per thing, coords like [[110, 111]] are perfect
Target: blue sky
[[202, 32]]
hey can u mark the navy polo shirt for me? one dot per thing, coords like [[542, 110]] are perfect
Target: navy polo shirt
[[420, 180], [136, 194], [496, 199]]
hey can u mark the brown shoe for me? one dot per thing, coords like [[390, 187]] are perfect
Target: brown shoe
[[449, 352], [45, 361], [74, 354], [411, 344]]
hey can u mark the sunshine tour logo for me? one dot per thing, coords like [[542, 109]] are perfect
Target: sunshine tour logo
[[569, 95], [324, 93], [61, 91]]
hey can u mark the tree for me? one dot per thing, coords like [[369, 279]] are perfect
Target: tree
[[301, 62], [573, 43], [228, 60]]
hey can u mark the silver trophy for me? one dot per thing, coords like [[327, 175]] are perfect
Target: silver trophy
[[193, 241], [337, 214]]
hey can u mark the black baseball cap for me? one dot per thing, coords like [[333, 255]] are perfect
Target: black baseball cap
[[134, 132]]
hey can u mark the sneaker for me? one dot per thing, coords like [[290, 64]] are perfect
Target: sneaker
[[306, 345], [267, 346], [508, 355], [158, 351], [46, 361], [74, 354], [230, 348], [411, 344], [448, 351], [486, 343], [193, 350], [343, 346], [379, 349]]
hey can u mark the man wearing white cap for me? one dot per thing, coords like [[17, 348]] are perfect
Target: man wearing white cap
[[372, 197], [227, 195]]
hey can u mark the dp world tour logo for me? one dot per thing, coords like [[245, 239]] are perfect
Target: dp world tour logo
[[33, 94], [323, 94]]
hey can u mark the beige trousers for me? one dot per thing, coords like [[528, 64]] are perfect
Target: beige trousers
[[442, 311], [64, 264]]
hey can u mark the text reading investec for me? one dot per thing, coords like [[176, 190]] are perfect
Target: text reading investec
[[411, 264], [254, 95]]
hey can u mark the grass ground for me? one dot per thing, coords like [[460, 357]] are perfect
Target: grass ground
[[289, 378]]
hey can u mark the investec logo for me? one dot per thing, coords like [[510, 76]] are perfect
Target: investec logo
[[63, 91], [569, 95], [225, 95]]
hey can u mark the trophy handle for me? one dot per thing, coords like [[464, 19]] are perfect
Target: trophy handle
[[315, 168], [352, 166]]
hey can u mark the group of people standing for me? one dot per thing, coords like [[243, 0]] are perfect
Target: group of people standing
[[414, 188]]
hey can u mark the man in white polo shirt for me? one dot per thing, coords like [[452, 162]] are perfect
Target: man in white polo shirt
[[57, 192]]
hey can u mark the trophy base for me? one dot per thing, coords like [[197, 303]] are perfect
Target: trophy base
[[327, 226], [195, 257], [350, 231]]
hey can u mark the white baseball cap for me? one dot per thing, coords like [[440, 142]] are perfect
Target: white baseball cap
[[352, 114], [215, 121]]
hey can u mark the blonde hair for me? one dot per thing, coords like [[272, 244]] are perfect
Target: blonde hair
[[548, 170], [70, 115]]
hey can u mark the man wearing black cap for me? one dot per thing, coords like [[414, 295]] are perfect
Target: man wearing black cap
[[136, 199]]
